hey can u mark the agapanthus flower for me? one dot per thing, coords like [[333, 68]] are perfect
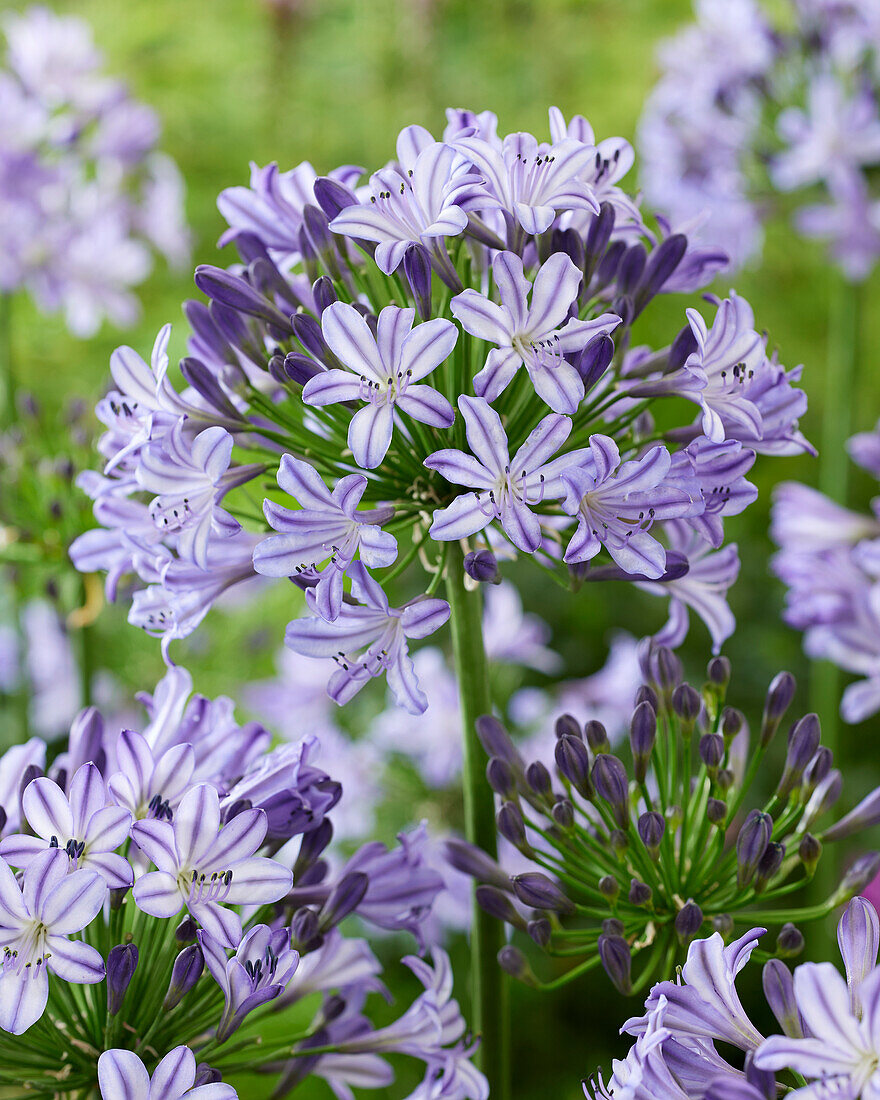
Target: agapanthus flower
[[123, 1076], [599, 883], [87, 196]]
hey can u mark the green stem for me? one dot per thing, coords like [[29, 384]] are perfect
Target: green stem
[[489, 1006], [6, 360]]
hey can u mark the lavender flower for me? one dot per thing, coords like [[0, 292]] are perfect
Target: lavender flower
[[123, 1076]]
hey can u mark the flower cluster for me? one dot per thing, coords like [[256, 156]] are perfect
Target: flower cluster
[[828, 559], [630, 863], [84, 194], [748, 110], [437, 367], [829, 1043], [161, 891]]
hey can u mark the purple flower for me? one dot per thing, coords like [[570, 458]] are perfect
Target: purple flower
[[850, 222], [422, 201], [205, 867], [326, 528], [123, 1076], [369, 640], [191, 478], [148, 783], [508, 487], [383, 371], [536, 336], [36, 918], [720, 469], [257, 973], [81, 824], [531, 182], [617, 503]]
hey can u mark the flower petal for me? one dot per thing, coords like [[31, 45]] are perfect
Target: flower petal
[[173, 1075], [351, 341], [554, 289], [427, 346], [73, 903], [23, 998], [47, 810], [75, 961], [123, 1076], [485, 435], [483, 318], [427, 405], [157, 893], [330, 387], [466, 515], [369, 434]]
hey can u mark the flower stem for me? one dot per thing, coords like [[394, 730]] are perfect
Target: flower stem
[[489, 1015]]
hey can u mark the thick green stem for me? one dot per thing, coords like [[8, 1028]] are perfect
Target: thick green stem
[[843, 351], [489, 1011]]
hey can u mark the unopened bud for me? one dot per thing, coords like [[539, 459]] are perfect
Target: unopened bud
[[688, 921], [540, 930], [122, 962], [609, 887], [803, 741], [417, 268], [538, 778], [817, 769], [473, 861], [509, 820], [651, 827], [498, 904], [596, 736], [501, 777], [711, 748], [724, 779], [640, 893], [616, 958], [496, 741], [778, 985], [716, 811], [789, 942], [563, 813], [769, 864], [686, 703], [732, 721], [187, 970], [342, 900], [863, 870], [719, 672], [809, 851], [610, 780], [594, 360], [482, 566], [646, 694], [513, 962], [723, 924], [304, 929], [754, 836], [619, 841], [573, 762], [567, 724], [779, 697], [642, 734], [538, 891]]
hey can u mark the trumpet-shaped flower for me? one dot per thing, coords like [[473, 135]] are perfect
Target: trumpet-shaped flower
[[384, 371], [149, 783], [326, 528], [205, 867], [36, 918], [369, 640], [507, 488], [535, 335]]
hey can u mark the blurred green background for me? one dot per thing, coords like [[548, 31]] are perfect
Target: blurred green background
[[333, 81]]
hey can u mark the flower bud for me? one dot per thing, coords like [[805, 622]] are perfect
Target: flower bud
[[687, 704], [779, 697], [538, 779], [122, 962], [342, 900], [723, 924], [324, 293], [716, 811], [651, 827], [304, 931], [642, 734], [616, 958], [809, 851], [573, 762], [300, 368], [482, 566], [594, 360], [817, 769], [803, 741], [206, 1075], [763, 1081], [682, 347], [718, 672], [333, 196], [538, 891], [567, 724], [790, 941], [513, 962], [688, 921], [596, 736], [511, 826], [609, 887], [778, 985], [862, 816], [496, 741], [611, 926], [501, 777], [609, 779], [646, 694], [751, 843], [724, 779], [541, 931], [669, 669], [417, 268], [732, 721], [596, 243], [498, 904], [711, 749], [769, 864], [639, 893], [663, 261], [563, 813], [187, 970], [863, 870]]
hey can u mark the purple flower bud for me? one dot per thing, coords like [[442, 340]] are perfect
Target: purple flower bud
[[30, 773], [724, 779], [864, 869], [779, 697], [611, 926], [535, 889], [623, 306], [609, 887], [333, 196], [342, 900], [571, 243], [862, 816], [596, 735], [790, 941], [632, 265], [665, 258], [236, 293], [501, 777], [616, 958], [185, 932], [473, 861], [598, 236], [206, 1075], [313, 843], [594, 360], [497, 904], [718, 672], [809, 852], [541, 931], [317, 225], [669, 669], [688, 921], [324, 293], [567, 724], [769, 864], [482, 566], [716, 811], [651, 828], [646, 694], [496, 741], [304, 931], [417, 268], [299, 368], [732, 721], [778, 986], [122, 962], [711, 749], [639, 893], [509, 820], [309, 333], [687, 704], [723, 924], [817, 769], [610, 780], [684, 345], [538, 778], [187, 970], [751, 843], [513, 962], [563, 813], [803, 740], [573, 762]]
